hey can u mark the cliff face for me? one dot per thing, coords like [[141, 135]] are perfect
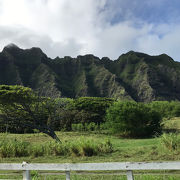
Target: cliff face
[[133, 76]]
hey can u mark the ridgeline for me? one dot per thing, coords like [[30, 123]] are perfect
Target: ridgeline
[[133, 76]]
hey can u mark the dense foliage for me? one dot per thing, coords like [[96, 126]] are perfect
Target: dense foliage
[[133, 76], [83, 110], [91, 109], [166, 109], [22, 110], [64, 113], [133, 119]]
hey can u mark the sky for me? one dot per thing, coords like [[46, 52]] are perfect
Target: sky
[[100, 27]]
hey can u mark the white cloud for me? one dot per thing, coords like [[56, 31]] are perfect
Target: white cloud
[[73, 27], [119, 38], [163, 41], [26, 38], [65, 24]]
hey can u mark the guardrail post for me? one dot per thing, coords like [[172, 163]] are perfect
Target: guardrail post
[[129, 175], [67, 175], [26, 175]]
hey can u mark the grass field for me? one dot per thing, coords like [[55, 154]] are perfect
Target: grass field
[[124, 150]]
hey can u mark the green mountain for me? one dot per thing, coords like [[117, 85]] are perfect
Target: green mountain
[[133, 76]]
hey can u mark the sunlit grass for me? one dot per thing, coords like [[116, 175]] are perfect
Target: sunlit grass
[[173, 123], [123, 149]]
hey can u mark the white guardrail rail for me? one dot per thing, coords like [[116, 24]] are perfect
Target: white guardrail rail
[[109, 166]]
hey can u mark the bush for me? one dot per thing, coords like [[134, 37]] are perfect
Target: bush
[[85, 127], [166, 109], [77, 127], [133, 119]]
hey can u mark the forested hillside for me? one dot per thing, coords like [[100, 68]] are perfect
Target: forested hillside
[[133, 76]]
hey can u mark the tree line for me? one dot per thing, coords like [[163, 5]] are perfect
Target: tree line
[[24, 111]]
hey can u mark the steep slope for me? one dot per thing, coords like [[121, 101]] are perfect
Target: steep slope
[[146, 77], [133, 76], [85, 76], [25, 67]]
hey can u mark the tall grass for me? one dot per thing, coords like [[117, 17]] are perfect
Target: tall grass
[[89, 147], [171, 141], [13, 148], [81, 147]]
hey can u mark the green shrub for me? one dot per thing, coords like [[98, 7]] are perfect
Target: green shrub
[[103, 126], [91, 126], [166, 109], [77, 127], [85, 127], [133, 119]]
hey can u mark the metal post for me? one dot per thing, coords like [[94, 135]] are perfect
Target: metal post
[[26, 175], [67, 175], [129, 175]]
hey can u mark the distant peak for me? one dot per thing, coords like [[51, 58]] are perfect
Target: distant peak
[[11, 45], [11, 48], [131, 52], [88, 56], [35, 50], [105, 59]]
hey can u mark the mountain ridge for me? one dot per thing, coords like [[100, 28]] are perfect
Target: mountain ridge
[[133, 76]]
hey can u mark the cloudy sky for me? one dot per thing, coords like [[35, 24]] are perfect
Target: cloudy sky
[[99, 27]]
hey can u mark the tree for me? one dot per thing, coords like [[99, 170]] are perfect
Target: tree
[[166, 109], [65, 115], [92, 109], [133, 119], [21, 106]]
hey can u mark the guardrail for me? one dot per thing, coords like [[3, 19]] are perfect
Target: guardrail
[[125, 166]]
